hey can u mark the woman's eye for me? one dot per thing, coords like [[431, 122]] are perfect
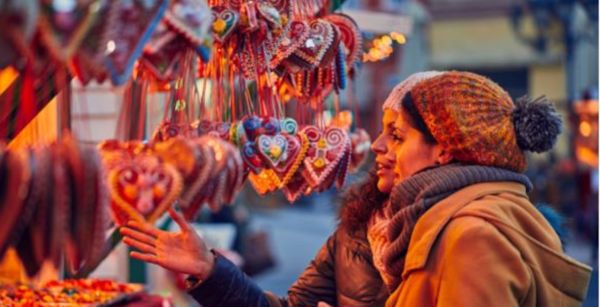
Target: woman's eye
[[397, 138]]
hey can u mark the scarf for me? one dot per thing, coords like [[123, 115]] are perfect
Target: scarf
[[389, 230]]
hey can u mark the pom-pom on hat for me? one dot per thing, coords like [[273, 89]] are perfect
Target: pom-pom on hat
[[476, 121], [394, 99]]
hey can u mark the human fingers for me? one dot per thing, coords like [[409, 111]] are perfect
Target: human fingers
[[178, 218], [141, 246], [145, 228], [139, 236], [145, 257]]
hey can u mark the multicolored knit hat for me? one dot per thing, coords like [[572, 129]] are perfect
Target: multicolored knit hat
[[394, 99], [476, 121]]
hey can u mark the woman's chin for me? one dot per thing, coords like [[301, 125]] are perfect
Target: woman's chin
[[384, 185]]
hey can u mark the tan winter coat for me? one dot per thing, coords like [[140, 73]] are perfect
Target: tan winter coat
[[487, 245]]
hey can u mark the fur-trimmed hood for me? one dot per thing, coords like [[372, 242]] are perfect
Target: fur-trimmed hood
[[359, 201]]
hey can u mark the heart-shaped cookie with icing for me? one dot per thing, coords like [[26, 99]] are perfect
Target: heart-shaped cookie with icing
[[143, 189], [326, 150], [224, 23]]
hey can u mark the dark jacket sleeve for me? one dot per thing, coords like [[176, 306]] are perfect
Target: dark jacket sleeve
[[228, 286]]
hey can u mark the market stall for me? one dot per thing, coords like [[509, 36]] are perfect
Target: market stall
[[252, 90]]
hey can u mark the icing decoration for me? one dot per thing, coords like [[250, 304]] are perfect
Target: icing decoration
[[251, 157], [224, 22], [272, 148], [192, 19], [143, 189], [295, 154], [325, 151]]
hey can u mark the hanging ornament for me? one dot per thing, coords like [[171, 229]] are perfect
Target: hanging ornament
[[130, 26]]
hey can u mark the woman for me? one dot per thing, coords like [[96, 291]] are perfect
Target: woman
[[341, 274], [458, 229]]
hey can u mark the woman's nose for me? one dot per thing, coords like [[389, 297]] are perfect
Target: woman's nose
[[378, 145]]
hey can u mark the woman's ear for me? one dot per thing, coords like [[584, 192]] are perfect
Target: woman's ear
[[443, 157]]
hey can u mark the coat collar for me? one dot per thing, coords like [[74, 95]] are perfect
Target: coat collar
[[430, 225]]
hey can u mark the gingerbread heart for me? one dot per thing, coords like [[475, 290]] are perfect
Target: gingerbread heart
[[225, 21], [192, 198], [64, 28], [317, 44], [350, 36], [272, 148], [164, 62], [251, 157], [294, 155], [326, 149], [143, 189], [296, 186], [270, 13], [130, 25], [86, 63], [292, 39], [282, 6], [192, 19]]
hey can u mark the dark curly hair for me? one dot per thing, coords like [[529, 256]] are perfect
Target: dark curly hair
[[359, 201]]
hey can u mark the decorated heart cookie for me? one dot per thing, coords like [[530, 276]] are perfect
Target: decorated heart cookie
[[192, 19], [225, 21], [294, 155], [63, 28], [130, 25], [317, 44], [325, 151], [272, 148], [143, 190], [350, 36]]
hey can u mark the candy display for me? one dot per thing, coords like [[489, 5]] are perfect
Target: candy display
[[72, 292]]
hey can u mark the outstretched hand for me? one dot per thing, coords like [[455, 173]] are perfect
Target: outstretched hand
[[183, 252]]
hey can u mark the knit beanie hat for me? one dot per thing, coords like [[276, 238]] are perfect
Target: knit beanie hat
[[394, 99], [476, 121]]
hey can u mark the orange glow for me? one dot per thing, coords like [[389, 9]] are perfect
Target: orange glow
[[7, 77], [585, 128]]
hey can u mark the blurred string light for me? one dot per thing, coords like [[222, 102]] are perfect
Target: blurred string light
[[383, 46]]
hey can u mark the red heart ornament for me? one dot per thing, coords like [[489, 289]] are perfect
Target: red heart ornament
[[325, 151], [296, 186], [225, 21], [62, 31], [130, 25], [272, 148], [317, 44], [192, 19], [143, 189], [293, 38], [350, 36], [294, 155]]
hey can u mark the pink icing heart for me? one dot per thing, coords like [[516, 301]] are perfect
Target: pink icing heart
[[272, 148], [324, 153]]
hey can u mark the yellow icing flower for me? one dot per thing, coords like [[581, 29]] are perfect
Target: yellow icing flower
[[219, 25]]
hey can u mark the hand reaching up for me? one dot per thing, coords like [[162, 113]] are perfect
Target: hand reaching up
[[183, 252]]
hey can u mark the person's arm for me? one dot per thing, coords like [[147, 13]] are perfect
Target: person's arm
[[215, 280], [227, 286], [317, 282]]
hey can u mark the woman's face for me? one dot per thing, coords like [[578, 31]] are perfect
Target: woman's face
[[400, 151]]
